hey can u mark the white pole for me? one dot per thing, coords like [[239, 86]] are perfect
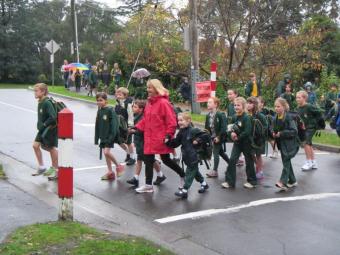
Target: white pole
[[76, 28]]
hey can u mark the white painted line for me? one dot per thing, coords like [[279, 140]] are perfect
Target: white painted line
[[89, 168], [210, 212], [35, 112]]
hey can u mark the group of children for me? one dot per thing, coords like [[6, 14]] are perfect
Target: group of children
[[242, 124]]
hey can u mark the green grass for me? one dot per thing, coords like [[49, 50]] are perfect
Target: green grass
[[75, 239], [13, 86], [327, 138], [198, 117], [62, 91], [2, 173]]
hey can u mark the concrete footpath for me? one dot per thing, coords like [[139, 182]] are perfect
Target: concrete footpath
[[27, 200]]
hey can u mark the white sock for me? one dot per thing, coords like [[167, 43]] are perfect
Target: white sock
[[309, 161], [42, 167], [136, 176], [160, 174], [181, 182], [132, 155], [184, 190], [148, 186], [204, 183]]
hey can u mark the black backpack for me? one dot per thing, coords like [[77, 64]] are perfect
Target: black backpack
[[259, 133], [204, 146], [123, 133], [120, 110], [300, 125]]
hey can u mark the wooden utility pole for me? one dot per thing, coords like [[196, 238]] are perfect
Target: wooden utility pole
[[195, 107]]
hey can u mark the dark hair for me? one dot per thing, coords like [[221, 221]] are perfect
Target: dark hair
[[102, 95], [234, 91], [140, 103], [255, 102]]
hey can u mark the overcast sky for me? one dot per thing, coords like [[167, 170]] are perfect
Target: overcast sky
[[116, 3]]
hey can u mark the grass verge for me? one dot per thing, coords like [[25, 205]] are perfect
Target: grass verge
[[2, 173], [62, 91], [327, 138], [75, 239], [13, 86]]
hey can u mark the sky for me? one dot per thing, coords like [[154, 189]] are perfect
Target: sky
[[116, 3]]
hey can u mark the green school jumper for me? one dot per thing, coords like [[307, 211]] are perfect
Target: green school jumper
[[241, 146], [47, 124], [288, 144], [216, 124], [309, 114], [230, 112], [138, 139], [106, 129]]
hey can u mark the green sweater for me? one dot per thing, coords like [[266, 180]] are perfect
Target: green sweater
[[243, 123], [220, 125], [309, 114], [230, 112], [47, 115], [106, 129]]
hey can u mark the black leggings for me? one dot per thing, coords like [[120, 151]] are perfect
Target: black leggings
[[150, 159]]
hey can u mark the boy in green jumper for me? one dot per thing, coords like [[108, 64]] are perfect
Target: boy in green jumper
[[309, 114], [47, 131], [216, 124], [240, 133], [106, 131]]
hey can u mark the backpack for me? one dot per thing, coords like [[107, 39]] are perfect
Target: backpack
[[123, 133], [300, 125], [120, 110], [204, 147], [259, 133], [57, 105]]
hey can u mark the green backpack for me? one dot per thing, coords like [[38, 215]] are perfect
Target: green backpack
[[259, 134], [123, 133]]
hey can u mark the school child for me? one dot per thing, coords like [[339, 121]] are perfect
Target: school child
[[138, 139], [106, 130], [77, 80], [311, 99], [215, 123], [258, 139], [330, 102], [124, 108], [290, 98], [240, 134], [286, 136], [185, 139], [93, 80], [309, 114], [269, 116], [46, 137]]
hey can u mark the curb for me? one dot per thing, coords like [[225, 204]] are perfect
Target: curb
[[328, 148]]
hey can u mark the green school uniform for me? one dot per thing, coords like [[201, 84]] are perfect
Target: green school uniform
[[290, 98], [138, 138], [106, 128], [288, 144], [309, 114], [230, 112], [47, 124], [242, 145]]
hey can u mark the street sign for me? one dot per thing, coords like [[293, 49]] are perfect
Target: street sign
[[203, 91], [52, 46]]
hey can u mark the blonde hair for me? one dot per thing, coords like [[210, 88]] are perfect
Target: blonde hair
[[216, 100], [242, 101], [158, 86], [185, 115], [303, 93], [41, 86], [123, 90], [282, 102]]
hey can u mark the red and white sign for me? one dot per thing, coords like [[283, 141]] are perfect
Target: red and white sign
[[203, 91], [213, 70]]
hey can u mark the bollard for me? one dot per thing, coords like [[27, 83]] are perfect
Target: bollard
[[213, 69], [65, 164]]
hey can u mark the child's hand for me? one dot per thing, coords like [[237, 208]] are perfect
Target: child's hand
[[131, 130], [216, 140], [234, 136], [195, 142]]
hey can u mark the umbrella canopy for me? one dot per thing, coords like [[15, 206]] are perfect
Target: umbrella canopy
[[141, 73], [74, 66]]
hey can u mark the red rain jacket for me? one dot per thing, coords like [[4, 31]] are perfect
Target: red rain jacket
[[159, 120]]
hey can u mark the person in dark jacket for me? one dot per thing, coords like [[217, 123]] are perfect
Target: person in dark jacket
[[190, 157], [46, 137], [286, 137], [216, 124], [185, 90], [280, 88], [253, 87], [93, 80], [106, 131]]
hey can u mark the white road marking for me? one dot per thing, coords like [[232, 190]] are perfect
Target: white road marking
[[88, 168], [210, 212], [35, 112]]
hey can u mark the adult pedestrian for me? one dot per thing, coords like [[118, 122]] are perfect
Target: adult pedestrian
[[253, 86], [65, 73], [158, 124], [185, 90], [116, 74]]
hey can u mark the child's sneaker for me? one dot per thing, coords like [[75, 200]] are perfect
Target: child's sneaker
[[145, 189], [307, 166], [212, 174], [133, 181], [259, 175], [130, 161], [292, 185], [225, 185], [120, 170], [248, 185], [50, 171], [182, 194], [314, 165], [53, 177], [203, 188], [40, 171], [159, 180], [281, 186], [108, 177], [274, 154]]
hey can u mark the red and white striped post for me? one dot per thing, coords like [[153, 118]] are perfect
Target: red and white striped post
[[65, 164], [213, 69]]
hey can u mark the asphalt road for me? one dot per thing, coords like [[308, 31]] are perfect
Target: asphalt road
[[304, 220]]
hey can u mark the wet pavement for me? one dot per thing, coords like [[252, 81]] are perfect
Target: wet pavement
[[283, 227]]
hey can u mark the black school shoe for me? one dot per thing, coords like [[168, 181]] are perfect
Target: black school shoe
[[133, 181], [159, 180], [203, 188], [130, 161], [181, 194]]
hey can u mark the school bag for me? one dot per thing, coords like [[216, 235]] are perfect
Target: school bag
[[300, 126], [204, 147], [57, 105], [123, 128], [259, 133], [120, 110]]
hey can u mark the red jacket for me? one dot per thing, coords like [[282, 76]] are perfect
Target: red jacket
[[158, 121]]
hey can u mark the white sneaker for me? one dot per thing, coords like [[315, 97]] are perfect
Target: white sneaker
[[248, 185], [292, 185], [314, 165], [307, 166], [274, 154], [225, 185], [145, 189]]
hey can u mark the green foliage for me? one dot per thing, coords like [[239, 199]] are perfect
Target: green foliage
[[42, 78], [327, 79], [175, 96]]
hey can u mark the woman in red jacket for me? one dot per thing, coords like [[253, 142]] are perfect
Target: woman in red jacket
[[158, 123]]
